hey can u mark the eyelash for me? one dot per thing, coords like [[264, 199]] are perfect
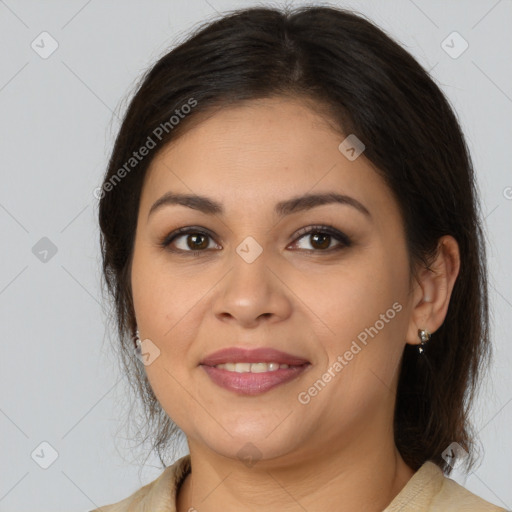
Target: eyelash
[[344, 240]]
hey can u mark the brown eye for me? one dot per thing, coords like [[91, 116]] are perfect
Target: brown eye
[[196, 241], [321, 237], [320, 240], [187, 240]]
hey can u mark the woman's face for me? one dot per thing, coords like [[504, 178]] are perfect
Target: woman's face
[[258, 281]]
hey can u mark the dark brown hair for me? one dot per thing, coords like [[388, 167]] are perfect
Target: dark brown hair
[[366, 84]]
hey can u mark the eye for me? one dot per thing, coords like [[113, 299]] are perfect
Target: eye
[[321, 237], [196, 241]]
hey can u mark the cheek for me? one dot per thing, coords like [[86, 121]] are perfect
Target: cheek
[[174, 393], [161, 296], [167, 312], [351, 299], [365, 311]]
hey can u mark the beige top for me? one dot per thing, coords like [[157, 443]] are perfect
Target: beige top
[[429, 490]]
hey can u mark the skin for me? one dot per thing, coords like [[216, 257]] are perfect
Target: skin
[[337, 452]]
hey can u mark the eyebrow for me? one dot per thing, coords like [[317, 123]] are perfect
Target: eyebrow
[[209, 206]]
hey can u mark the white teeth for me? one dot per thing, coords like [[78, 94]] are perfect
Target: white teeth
[[251, 367]]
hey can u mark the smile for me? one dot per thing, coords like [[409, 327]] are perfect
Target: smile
[[253, 378], [251, 367]]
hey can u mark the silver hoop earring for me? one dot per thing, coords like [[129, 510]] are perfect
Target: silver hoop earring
[[424, 337]]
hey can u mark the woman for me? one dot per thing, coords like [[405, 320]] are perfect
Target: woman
[[291, 234]]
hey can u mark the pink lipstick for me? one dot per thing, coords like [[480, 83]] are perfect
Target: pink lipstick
[[252, 371]]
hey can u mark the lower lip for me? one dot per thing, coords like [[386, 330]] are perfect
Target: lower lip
[[253, 383]]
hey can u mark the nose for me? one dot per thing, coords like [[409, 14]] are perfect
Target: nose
[[252, 293]]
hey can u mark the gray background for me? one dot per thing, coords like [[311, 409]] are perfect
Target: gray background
[[58, 117]]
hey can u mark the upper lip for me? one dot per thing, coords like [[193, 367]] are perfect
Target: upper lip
[[254, 355]]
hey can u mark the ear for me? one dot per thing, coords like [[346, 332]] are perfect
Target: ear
[[433, 289]]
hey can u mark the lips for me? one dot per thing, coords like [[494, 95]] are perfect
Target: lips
[[256, 355], [247, 382]]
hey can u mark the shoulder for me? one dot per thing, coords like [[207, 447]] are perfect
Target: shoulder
[[158, 495], [430, 490], [453, 496]]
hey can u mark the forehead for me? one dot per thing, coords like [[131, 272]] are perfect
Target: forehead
[[262, 151]]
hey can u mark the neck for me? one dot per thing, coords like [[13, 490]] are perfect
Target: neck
[[354, 477]]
